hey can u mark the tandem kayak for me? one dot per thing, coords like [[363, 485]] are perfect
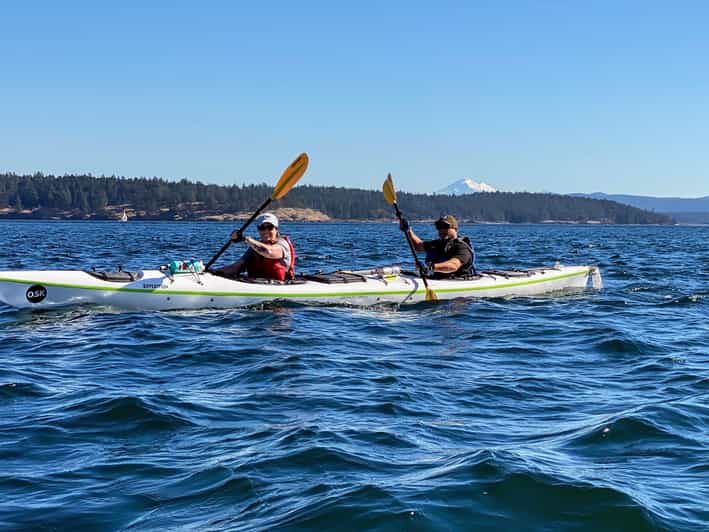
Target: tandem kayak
[[161, 290]]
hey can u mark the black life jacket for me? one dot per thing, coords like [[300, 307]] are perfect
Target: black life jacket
[[468, 243], [435, 255]]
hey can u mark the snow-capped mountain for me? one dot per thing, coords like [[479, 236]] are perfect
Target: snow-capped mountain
[[466, 186]]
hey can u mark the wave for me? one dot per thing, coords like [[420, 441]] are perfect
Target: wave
[[217, 481], [481, 490], [319, 456], [16, 390], [630, 435], [624, 344], [688, 299], [119, 414]]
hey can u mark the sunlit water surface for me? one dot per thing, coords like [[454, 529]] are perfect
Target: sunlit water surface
[[586, 411]]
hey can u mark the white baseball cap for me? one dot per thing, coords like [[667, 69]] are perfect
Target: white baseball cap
[[268, 218]]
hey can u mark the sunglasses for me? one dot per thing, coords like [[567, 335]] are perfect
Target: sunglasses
[[441, 225], [266, 227]]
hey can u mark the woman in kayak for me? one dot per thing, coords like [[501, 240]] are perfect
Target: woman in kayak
[[272, 256], [447, 257]]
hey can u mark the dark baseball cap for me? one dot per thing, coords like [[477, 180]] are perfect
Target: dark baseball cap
[[448, 220]]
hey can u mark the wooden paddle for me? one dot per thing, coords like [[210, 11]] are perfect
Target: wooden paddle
[[290, 177], [390, 197]]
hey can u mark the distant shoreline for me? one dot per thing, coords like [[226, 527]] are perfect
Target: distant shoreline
[[65, 197], [347, 221], [286, 214]]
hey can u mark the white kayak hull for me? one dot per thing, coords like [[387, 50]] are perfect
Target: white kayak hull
[[156, 290]]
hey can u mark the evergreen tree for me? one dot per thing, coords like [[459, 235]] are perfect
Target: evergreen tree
[[28, 193]]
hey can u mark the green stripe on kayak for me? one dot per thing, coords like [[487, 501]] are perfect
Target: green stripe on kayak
[[292, 295]]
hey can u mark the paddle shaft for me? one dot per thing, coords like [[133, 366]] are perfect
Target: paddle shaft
[[243, 228], [413, 249]]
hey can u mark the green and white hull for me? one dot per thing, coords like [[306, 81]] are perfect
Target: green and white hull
[[158, 290]]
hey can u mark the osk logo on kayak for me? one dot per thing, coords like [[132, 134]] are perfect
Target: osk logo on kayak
[[36, 293]]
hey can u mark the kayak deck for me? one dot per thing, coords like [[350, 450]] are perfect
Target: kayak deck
[[159, 290]]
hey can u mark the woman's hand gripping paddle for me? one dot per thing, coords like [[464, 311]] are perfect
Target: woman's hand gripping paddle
[[290, 177]]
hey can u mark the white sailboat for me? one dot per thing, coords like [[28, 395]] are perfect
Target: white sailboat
[[124, 218]]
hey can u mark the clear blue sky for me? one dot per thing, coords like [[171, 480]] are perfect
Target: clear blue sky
[[554, 96]]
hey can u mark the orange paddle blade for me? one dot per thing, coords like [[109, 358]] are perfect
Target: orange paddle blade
[[389, 190], [290, 176]]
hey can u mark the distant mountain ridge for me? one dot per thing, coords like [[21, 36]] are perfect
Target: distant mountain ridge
[[653, 203], [466, 186], [683, 210]]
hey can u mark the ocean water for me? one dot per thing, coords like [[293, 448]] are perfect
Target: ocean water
[[581, 412]]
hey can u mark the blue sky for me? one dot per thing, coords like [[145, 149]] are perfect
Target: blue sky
[[541, 96]]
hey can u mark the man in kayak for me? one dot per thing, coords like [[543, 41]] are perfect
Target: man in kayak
[[447, 257], [272, 256]]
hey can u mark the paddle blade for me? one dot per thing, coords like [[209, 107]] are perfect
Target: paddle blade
[[389, 190], [290, 176], [430, 295]]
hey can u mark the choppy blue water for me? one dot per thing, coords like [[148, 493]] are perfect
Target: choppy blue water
[[584, 412]]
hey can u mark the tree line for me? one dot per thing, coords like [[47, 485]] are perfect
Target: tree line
[[81, 196]]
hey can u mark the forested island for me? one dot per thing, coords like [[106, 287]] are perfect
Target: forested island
[[40, 196]]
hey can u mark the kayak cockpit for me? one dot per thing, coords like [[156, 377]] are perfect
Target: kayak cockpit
[[116, 277], [336, 277]]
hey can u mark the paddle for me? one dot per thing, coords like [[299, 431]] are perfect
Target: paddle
[[390, 197], [290, 177]]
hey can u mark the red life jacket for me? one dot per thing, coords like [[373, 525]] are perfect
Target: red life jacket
[[261, 267]]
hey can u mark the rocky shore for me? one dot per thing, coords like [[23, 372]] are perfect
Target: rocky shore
[[191, 213]]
